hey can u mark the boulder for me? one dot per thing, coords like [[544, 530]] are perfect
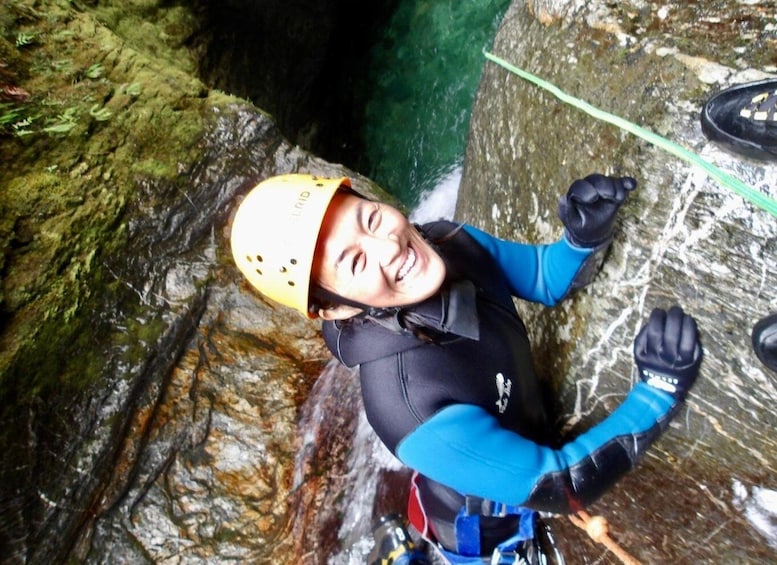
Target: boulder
[[149, 398], [699, 494]]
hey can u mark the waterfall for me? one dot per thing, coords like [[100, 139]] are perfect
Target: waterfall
[[335, 397], [440, 202]]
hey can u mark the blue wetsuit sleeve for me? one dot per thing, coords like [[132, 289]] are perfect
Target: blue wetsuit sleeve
[[464, 447], [540, 273]]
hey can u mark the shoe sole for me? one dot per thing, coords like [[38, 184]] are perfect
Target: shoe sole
[[719, 115], [765, 341]]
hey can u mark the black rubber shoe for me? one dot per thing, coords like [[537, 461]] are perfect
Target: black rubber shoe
[[393, 545], [765, 341], [743, 119]]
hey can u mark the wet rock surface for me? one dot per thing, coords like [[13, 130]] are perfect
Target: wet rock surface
[[149, 400], [683, 239]]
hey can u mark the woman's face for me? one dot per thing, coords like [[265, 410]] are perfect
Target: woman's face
[[369, 252]]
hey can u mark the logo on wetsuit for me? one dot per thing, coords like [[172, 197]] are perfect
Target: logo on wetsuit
[[503, 387]]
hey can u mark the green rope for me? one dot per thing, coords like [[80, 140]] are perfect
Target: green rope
[[724, 179]]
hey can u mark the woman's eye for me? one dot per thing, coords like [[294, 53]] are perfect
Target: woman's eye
[[374, 220], [355, 264]]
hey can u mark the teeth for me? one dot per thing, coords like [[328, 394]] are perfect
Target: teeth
[[408, 264]]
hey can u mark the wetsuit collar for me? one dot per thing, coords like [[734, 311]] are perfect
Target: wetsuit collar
[[460, 314], [451, 311]]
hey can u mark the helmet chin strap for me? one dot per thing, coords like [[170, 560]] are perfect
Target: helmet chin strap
[[319, 295]]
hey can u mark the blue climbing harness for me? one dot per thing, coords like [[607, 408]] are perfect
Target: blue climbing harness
[[467, 528]]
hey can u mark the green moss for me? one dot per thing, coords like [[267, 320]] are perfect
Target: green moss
[[66, 194], [153, 27], [153, 168], [54, 352], [43, 192]]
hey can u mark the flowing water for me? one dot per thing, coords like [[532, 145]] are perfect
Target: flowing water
[[424, 72]]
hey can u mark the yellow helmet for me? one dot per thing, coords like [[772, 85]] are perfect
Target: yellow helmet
[[274, 235]]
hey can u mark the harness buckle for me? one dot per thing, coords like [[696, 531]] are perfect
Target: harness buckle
[[500, 557], [476, 506], [498, 509]]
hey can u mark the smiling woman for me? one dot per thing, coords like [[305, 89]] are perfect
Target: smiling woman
[[446, 372], [369, 253]]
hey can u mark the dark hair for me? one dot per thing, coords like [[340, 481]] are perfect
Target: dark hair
[[323, 299]]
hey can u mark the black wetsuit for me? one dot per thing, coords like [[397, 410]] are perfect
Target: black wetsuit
[[466, 410]]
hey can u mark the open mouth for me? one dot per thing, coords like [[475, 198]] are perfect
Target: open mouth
[[409, 264]]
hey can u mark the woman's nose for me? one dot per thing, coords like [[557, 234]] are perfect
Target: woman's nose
[[383, 248]]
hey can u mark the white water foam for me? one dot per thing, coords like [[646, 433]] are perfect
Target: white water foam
[[440, 202], [759, 507]]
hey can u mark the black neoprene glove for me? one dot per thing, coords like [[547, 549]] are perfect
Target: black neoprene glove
[[589, 208], [667, 351]]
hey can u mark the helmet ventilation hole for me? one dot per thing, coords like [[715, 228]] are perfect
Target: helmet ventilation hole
[[293, 261], [291, 283], [259, 272]]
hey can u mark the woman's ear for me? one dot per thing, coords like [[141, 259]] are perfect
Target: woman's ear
[[340, 312]]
